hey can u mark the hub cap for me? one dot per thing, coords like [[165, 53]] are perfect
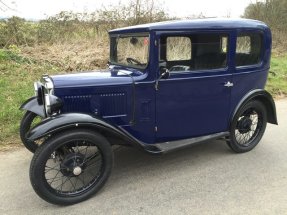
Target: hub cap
[[77, 170], [248, 127], [73, 164], [244, 125]]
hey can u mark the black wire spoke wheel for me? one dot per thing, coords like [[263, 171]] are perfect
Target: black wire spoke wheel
[[71, 167], [75, 168], [29, 121], [248, 127]]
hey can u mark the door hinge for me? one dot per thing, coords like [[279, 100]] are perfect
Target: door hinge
[[155, 128]]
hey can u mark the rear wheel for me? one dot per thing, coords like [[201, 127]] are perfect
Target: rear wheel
[[28, 121], [70, 167], [247, 127]]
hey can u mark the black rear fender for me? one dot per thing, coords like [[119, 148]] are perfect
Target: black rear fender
[[264, 97]]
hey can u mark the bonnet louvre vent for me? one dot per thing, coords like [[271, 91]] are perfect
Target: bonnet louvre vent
[[104, 104], [77, 103], [113, 104]]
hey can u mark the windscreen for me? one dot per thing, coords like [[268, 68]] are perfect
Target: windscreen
[[130, 50]]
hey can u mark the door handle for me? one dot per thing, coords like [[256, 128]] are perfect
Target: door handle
[[228, 84]]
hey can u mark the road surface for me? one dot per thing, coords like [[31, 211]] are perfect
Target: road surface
[[203, 179]]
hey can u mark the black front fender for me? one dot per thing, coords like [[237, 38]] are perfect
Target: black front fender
[[67, 121], [32, 105]]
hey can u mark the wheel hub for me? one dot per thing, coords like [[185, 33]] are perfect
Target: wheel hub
[[244, 125], [77, 170], [73, 165]]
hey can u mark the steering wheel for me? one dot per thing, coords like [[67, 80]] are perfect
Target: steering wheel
[[133, 61]]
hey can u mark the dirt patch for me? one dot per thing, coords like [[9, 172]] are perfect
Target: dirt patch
[[10, 147]]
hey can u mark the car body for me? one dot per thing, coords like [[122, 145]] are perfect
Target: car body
[[191, 82]]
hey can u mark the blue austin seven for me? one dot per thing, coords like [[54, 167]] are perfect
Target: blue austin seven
[[168, 85]]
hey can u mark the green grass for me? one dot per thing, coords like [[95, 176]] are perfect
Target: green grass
[[16, 85], [277, 79], [18, 74]]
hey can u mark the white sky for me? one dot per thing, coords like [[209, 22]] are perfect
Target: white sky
[[38, 9]]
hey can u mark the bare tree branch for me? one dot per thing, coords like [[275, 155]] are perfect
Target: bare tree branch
[[5, 7], [2, 9]]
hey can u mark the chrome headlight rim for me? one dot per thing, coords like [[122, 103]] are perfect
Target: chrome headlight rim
[[36, 88], [39, 92], [48, 84], [43, 90], [48, 90], [47, 104], [53, 104]]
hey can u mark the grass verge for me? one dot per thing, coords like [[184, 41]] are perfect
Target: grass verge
[[277, 79], [16, 85]]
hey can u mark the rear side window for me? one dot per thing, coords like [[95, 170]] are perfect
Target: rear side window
[[248, 49]]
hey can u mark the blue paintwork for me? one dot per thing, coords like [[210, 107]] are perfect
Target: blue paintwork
[[186, 105], [199, 110], [195, 24], [248, 78], [98, 78]]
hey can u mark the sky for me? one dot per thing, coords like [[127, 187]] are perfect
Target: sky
[[40, 9]]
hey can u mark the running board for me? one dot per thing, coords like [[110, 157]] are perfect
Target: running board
[[165, 147]]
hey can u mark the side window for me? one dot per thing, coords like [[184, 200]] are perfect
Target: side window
[[243, 45], [194, 52], [248, 49], [178, 48], [224, 45], [210, 51]]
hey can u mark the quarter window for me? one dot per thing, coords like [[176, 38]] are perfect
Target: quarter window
[[248, 49]]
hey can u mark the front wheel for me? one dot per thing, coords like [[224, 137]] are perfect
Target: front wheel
[[70, 167], [247, 127]]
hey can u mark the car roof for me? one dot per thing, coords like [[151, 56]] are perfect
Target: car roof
[[208, 23]]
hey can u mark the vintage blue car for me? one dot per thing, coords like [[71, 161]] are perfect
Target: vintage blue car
[[168, 85]]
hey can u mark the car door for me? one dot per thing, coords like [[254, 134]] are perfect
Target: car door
[[195, 99]]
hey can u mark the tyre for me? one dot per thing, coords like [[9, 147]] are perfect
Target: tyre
[[71, 167], [28, 121], [247, 127]]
